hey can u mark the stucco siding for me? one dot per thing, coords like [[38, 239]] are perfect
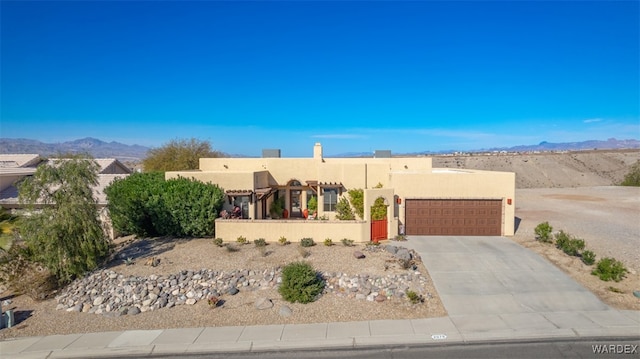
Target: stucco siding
[[293, 230]]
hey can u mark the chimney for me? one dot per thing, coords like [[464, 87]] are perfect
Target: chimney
[[270, 153], [317, 151]]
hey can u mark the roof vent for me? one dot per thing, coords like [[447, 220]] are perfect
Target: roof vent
[[382, 154], [271, 153]]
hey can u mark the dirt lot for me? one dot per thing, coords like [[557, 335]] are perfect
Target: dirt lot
[[607, 218]]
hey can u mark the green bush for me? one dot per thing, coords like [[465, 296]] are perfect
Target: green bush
[[347, 242], [241, 240], [218, 242], [610, 269], [588, 257], [300, 283], [343, 210], [145, 204], [328, 242], [283, 240], [543, 232], [568, 244], [307, 242], [260, 242], [356, 197]]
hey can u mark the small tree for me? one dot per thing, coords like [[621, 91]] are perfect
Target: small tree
[[356, 197], [178, 155], [343, 210], [633, 177], [65, 235], [543, 232]]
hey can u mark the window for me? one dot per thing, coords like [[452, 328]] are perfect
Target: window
[[330, 199]]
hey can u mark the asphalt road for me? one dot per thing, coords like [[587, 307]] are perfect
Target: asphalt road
[[585, 348]]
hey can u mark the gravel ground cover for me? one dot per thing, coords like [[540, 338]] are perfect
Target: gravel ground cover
[[174, 256], [606, 217]]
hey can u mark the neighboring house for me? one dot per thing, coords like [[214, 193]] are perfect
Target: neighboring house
[[420, 200], [14, 168]]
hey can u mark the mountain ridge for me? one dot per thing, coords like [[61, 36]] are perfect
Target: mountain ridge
[[98, 148]]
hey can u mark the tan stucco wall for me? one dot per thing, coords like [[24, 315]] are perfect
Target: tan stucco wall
[[410, 177], [450, 184], [293, 230]]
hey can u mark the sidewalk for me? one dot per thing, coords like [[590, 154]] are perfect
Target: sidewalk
[[439, 331]]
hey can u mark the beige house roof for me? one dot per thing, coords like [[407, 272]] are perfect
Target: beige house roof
[[19, 160], [15, 167]]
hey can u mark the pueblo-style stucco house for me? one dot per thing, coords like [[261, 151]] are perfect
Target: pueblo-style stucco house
[[420, 200]]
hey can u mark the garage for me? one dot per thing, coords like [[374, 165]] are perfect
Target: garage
[[449, 217]]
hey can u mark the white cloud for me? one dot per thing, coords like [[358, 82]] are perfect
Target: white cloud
[[592, 120]]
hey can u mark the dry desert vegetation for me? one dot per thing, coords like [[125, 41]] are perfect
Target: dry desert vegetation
[[573, 191]]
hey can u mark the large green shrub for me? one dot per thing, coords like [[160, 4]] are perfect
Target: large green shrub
[[379, 209], [543, 232], [300, 283], [610, 269], [588, 257], [145, 204]]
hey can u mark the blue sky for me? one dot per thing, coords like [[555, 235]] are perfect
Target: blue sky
[[355, 76]]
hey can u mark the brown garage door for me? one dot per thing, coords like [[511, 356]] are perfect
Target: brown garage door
[[465, 217]]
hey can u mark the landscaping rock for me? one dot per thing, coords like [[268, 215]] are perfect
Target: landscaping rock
[[391, 249], [263, 303], [133, 311], [285, 311], [380, 298], [233, 291], [358, 254], [403, 254]]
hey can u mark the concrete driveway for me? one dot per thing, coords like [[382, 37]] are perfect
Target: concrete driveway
[[494, 275]]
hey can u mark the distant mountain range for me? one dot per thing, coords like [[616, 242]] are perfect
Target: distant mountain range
[[92, 146], [101, 149], [610, 144]]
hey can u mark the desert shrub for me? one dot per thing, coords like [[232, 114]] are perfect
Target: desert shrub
[[610, 269], [543, 232], [633, 177], [300, 283], [414, 297], [283, 240], [241, 240], [260, 242], [568, 244], [347, 242], [588, 257], [400, 238], [218, 242], [328, 242], [343, 210], [307, 242], [23, 275]]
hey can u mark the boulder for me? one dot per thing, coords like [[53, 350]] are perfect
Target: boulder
[[263, 303], [391, 249], [233, 291], [403, 254], [358, 254]]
